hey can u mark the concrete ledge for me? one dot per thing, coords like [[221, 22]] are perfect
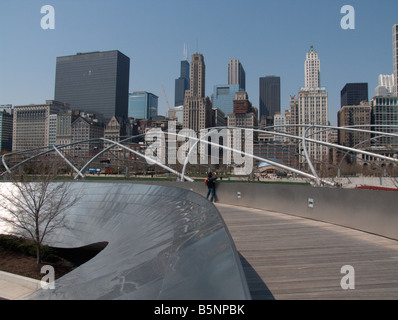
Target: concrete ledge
[[20, 280], [15, 287]]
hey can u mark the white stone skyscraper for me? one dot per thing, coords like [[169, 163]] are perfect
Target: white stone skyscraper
[[386, 85], [313, 107], [312, 70]]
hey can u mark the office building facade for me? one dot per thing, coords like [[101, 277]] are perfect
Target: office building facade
[[224, 96], [236, 74], [87, 128], [353, 94], [312, 106], [359, 115], [33, 125], [244, 115], [385, 113], [270, 96], [143, 105], [386, 84], [181, 84], [96, 82], [6, 119]]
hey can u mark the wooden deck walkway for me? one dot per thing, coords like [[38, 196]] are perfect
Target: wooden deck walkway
[[287, 257]]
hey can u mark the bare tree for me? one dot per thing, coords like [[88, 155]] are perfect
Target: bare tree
[[34, 205]]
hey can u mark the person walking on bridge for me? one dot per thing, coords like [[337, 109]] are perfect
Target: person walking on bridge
[[211, 185]]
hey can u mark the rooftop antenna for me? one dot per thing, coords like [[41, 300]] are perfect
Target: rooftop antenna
[[185, 54]]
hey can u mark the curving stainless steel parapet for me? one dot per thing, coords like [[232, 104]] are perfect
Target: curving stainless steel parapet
[[163, 243]]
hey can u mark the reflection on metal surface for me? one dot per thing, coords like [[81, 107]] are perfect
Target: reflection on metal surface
[[163, 243]]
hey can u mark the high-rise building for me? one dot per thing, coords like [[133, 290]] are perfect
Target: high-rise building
[[197, 86], [143, 105], [353, 94], [395, 55], [33, 125], [294, 117], [244, 115], [281, 122], [385, 113], [64, 126], [224, 96], [359, 115], [96, 82], [236, 74], [197, 107], [387, 81], [312, 69], [182, 83], [218, 118], [270, 96], [6, 118], [312, 106]]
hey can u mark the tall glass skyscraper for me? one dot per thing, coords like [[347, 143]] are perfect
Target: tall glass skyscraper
[[181, 84], [224, 96], [353, 94], [96, 82], [143, 105], [6, 120], [270, 96]]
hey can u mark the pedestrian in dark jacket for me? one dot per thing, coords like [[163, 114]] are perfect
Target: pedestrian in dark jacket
[[211, 185]]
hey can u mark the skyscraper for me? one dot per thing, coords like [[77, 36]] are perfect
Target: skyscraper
[[386, 84], [313, 105], [197, 107], [385, 113], [6, 118], [236, 74], [96, 82], [270, 96], [395, 55], [244, 115], [224, 96], [198, 76], [353, 94], [312, 69], [182, 83], [143, 105]]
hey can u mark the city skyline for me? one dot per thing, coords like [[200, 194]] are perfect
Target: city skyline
[[274, 41]]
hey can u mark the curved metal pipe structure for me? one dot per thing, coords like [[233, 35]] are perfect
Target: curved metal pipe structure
[[182, 176], [149, 159], [68, 162], [307, 157]]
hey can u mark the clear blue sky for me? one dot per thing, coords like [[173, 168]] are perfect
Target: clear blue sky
[[269, 37]]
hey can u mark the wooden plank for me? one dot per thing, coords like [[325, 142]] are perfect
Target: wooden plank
[[288, 257]]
